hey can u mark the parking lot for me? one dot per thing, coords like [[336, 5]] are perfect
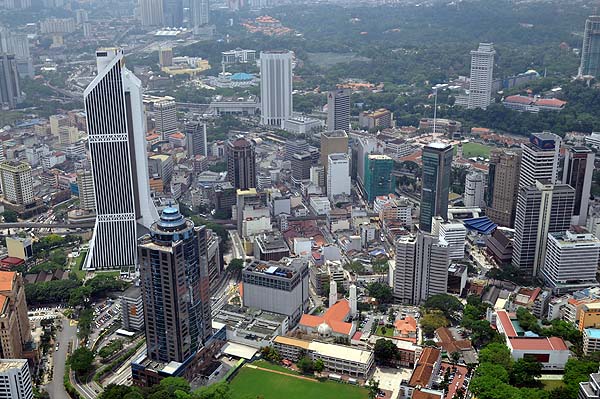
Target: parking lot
[[458, 378]]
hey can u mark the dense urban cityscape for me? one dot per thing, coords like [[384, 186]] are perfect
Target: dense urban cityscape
[[260, 199]]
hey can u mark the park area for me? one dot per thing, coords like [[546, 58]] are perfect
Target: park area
[[269, 384], [471, 150]]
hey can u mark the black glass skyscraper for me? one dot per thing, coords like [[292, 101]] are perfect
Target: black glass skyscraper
[[437, 165]]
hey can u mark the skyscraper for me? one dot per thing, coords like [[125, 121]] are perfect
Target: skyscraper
[[474, 190], [15, 380], [294, 146], [85, 185], [195, 133], [334, 142], [421, 268], [482, 70], [541, 209], [338, 109], [199, 14], [116, 131], [437, 165], [10, 89], [301, 163], [165, 116], [15, 332], [539, 160], [241, 164], [18, 45], [590, 50], [578, 172], [173, 13], [378, 176], [17, 183], [503, 186], [276, 87], [571, 260], [175, 288], [152, 12], [338, 177]]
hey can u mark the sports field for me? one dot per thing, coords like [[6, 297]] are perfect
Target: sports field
[[471, 150], [252, 383]]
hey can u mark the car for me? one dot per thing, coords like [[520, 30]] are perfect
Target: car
[[56, 348]]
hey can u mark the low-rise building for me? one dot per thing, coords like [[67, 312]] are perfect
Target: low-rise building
[[336, 358], [250, 326], [270, 246], [132, 309], [591, 340], [424, 373], [381, 118]]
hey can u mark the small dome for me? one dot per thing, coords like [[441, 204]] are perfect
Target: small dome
[[323, 329]]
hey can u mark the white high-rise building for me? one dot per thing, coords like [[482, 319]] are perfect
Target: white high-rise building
[[152, 12], [15, 380], [571, 261], [165, 117], [474, 190], [116, 133], [454, 234], [85, 184], [338, 177], [539, 160], [199, 14], [338, 109], [276, 87], [353, 299], [482, 70], [421, 268]]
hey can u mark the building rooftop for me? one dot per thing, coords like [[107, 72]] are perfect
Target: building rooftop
[[7, 280], [538, 343], [422, 373], [438, 145], [335, 317], [8, 364], [593, 333]]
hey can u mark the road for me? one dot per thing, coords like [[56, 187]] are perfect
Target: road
[[55, 388], [238, 247]]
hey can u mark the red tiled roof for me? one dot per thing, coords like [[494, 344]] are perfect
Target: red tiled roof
[[334, 317], [538, 343], [507, 325], [7, 280], [178, 136], [422, 373], [551, 102], [406, 326], [425, 395], [518, 99]]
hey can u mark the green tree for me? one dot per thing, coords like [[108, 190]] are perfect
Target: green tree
[[219, 390], [113, 391], [319, 365], [449, 305], [172, 384], [382, 292], [385, 351], [524, 373], [81, 360], [433, 320], [373, 388], [528, 321], [496, 353], [236, 265], [10, 216], [305, 365], [492, 370]]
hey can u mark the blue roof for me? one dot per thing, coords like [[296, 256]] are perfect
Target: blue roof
[[593, 332], [377, 251], [482, 225], [241, 76]]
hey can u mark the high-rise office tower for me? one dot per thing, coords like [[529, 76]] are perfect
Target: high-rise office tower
[[539, 160], [241, 164], [360, 148], [199, 14], [15, 380], [275, 87], [335, 142], [173, 13], [590, 50], [454, 234], [165, 116], [474, 190], [15, 332], [338, 109], [437, 166], [294, 146], [10, 89], [578, 172], [378, 176], [482, 70], [17, 183], [571, 260], [421, 268], [195, 133], [338, 177], [152, 12], [541, 209], [117, 137], [85, 185], [301, 163], [175, 287], [503, 186], [18, 45]]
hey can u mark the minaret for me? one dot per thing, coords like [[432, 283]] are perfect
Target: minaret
[[332, 293], [353, 301]]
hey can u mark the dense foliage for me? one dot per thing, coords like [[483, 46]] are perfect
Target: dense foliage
[[169, 388]]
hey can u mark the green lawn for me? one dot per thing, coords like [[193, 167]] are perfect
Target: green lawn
[[549, 385], [76, 269], [252, 383], [475, 150], [389, 332], [271, 366]]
